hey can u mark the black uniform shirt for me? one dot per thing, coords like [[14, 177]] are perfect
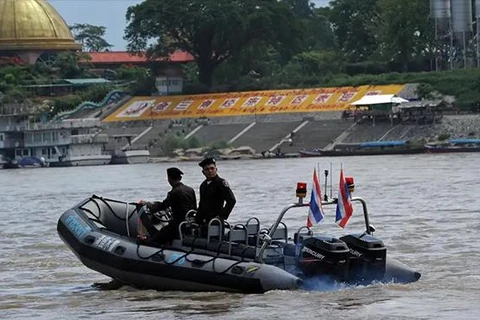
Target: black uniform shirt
[[216, 199], [181, 199]]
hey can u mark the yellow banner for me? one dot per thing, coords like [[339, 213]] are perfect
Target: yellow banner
[[245, 103]]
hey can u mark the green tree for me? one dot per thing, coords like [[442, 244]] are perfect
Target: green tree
[[91, 37], [141, 81], [213, 31], [67, 63], [249, 68], [403, 29], [425, 91], [131, 73], [301, 8], [10, 79], [14, 95], [172, 142], [354, 24], [318, 32], [320, 63]]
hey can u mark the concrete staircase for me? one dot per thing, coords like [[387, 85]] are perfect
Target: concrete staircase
[[316, 134], [365, 131], [116, 131], [219, 132], [263, 136]]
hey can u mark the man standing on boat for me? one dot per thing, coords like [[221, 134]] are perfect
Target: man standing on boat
[[180, 199], [216, 198]]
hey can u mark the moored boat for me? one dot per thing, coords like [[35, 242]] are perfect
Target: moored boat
[[368, 148], [130, 156], [454, 145], [10, 164], [247, 257], [32, 162]]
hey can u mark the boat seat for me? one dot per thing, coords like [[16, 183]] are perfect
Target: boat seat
[[290, 250], [274, 254], [280, 236], [234, 249], [189, 226], [194, 242], [302, 234], [253, 229], [281, 233], [190, 215], [215, 230], [238, 234], [186, 228]]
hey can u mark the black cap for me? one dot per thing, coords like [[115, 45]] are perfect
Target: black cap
[[206, 162], [174, 173]]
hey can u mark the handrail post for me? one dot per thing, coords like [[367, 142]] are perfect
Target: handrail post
[[274, 227], [365, 213], [300, 203]]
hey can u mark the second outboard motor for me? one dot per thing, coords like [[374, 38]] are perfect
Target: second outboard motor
[[321, 255], [368, 256]]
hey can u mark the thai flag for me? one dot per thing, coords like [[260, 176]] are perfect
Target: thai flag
[[344, 204], [315, 213]]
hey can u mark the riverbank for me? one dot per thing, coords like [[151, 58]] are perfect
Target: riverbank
[[245, 157], [449, 127]]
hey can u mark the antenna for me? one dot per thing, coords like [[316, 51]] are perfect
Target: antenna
[[331, 182], [325, 196]]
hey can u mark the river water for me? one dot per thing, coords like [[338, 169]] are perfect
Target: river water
[[425, 208]]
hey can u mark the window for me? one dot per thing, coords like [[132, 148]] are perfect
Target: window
[[37, 138], [25, 152], [29, 137]]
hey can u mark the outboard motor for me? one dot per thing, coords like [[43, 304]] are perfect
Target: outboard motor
[[368, 256], [321, 255]]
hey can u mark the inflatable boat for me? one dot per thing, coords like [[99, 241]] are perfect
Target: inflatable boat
[[248, 258]]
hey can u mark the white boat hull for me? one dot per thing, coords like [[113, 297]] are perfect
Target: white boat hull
[[137, 156], [95, 160], [131, 157]]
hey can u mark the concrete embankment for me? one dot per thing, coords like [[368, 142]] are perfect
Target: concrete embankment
[[451, 126], [294, 132]]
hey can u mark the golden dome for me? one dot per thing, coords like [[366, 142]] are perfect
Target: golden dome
[[33, 25]]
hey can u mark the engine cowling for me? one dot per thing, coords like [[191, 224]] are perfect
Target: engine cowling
[[368, 256], [321, 255]]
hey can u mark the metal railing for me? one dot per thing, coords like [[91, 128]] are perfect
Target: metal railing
[[268, 237], [89, 138]]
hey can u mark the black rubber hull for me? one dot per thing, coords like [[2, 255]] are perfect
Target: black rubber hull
[[188, 266], [139, 266]]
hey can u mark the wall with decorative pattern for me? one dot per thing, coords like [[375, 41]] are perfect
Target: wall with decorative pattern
[[245, 103]]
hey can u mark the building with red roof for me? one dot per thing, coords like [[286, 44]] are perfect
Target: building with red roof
[[168, 72], [117, 58]]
